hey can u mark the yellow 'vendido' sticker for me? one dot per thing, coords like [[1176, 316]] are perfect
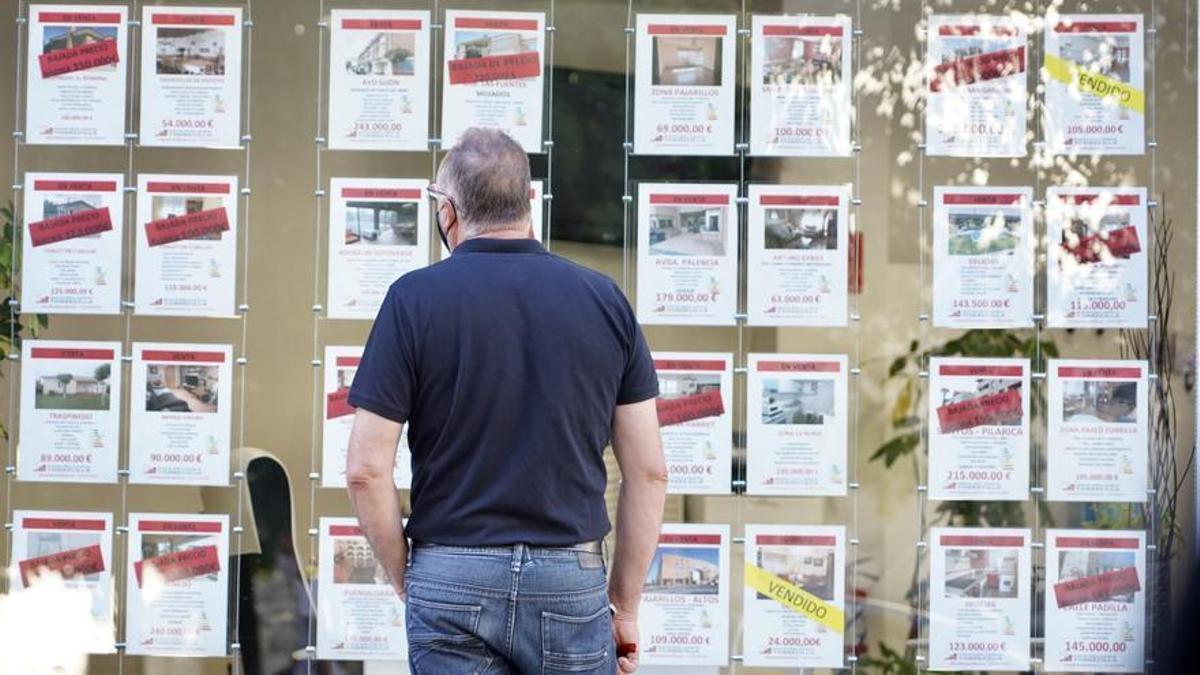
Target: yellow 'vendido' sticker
[[795, 598], [1096, 84]]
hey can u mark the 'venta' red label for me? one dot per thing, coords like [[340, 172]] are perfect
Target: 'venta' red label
[[70, 226], [188, 357], [794, 540], [189, 226], [83, 57], [381, 24], [707, 539], [71, 353], [689, 199]]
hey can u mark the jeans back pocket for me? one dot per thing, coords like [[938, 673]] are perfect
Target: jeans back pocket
[[577, 644]]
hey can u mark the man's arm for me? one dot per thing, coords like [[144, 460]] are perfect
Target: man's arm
[[370, 461]]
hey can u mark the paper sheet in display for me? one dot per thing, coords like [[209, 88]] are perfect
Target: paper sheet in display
[[341, 363], [360, 617], [684, 615], [695, 413]]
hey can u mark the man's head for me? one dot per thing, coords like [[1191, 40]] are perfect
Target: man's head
[[486, 179]]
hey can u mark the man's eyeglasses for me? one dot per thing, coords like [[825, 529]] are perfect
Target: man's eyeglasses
[[436, 194]]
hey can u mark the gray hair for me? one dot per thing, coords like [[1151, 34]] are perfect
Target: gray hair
[[487, 173]]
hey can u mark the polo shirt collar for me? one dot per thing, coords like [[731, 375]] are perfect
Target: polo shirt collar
[[489, 245]]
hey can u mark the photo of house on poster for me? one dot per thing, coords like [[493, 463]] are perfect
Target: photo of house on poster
[[685, 82], [72, 245], [684, 617], [378, 231], [983, 252], [1097, 241], [979, 598], [176, 584], [341, 363], [800, 80], [1098, 429], [182, 413], [794, 596], [978, 429], [378, 80], [798, 255], [695, 413], [493, 76], [796, 413], [360, 617], [1095, 77], [70, 411], [191, 77], [75, 82], [76, 547], [187, 240], [687, 254], [1095, 601], [977, 73]]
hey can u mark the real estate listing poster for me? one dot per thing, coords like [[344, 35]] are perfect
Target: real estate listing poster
[[983, 252], [977, 73], [979, 598], [76, 78], [76, 547], [176, 584], [685, 83], [378, 80], [798, 255], [684, 616], [341, 363], [493, 75], [378, 231], [978, 429], [800, 86], [794, 596], [687, 254], [360, 617], [1095, 76], [796, 424], [70, 415], [72, 245], [1097, 241], [1095, 601], [1098, 430], [186, 245], [184, 416], [191, 77], [695, 413]]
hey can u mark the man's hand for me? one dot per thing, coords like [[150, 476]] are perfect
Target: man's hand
[[625, 631]]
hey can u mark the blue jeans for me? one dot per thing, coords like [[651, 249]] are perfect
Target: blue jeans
[[507, 609]]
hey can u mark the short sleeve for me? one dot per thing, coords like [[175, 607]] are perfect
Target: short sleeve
[[639, 381], [386, 374]]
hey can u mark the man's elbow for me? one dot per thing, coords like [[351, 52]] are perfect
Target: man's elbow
[[362, 476], [654, 475]]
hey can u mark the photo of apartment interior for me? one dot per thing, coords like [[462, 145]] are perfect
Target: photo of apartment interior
[[386, 53], [354, 563], [1107, 55], [686, 61], [793, 401], [66, 386], [804, 229], [684, 571], [59, 38], [981, 573], [687, 230], [973, 233], [477, 45], [809, 567], [190, 51], [1092, 401], [1078, 564], [981, 388], [807, 60], [181, 388], [683, 385], [381, 223]]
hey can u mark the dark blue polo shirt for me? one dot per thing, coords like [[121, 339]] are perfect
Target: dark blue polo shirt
[[507, 363]]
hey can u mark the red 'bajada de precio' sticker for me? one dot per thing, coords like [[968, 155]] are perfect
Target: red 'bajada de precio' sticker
[[189, 226], [337, 404], [75, 59], [495, 68], [1121, 244], [180, 565], [688, 408], [75, 562], [70, 226], [1097, 588], [997, 408]]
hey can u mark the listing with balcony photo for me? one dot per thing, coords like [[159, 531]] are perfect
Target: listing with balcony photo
[[979, 598], [186, 245], [378, 80], [983, 252], [687, 254], [76, 78], [176, 584], [797, 258], [1095, 80], [683, 618], [493, 75], [70, 413], [684, 85], [1098, 416], [976, 74], [191, 77], [796, 424], [1095, 601], [378, 229], [978, 429], [340, 365], [1097, 242], [800, 72], [184, 417], [794, 596], [695, 413], [72, 245], [360, 616]]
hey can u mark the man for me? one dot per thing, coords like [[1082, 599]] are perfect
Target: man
[[513, 369]]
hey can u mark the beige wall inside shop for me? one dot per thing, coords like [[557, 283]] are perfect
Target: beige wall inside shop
[[283, 243]]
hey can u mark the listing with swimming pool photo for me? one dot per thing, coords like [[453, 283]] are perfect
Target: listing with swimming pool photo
[[341, 364], [684, 614], [695, 413]]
